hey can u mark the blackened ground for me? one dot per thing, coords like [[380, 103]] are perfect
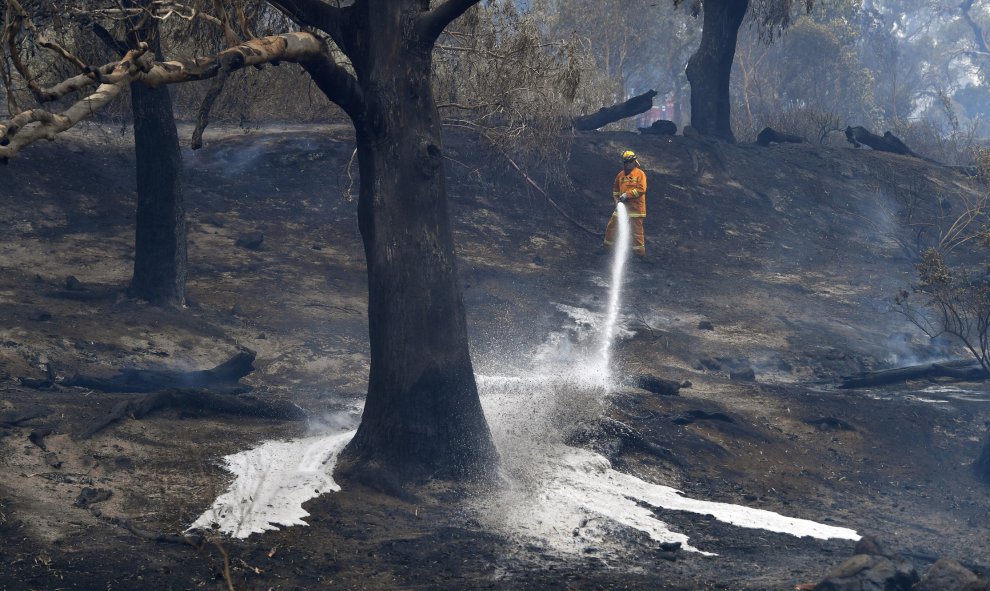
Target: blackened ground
[[777, 263]]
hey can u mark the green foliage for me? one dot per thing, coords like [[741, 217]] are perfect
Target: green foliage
[[809, 84]]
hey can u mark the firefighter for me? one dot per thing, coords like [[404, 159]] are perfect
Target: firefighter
[[629, 188]]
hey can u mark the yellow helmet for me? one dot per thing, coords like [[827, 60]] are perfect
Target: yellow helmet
[[628, 156]]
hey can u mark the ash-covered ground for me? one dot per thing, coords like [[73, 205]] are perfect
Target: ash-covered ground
[[770, 274]]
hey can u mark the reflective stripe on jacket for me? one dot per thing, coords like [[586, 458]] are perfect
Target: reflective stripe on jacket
[[634, 185]]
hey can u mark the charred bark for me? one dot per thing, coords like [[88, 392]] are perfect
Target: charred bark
[[617, 112], [222, 378], [710, 67], [422, 416]]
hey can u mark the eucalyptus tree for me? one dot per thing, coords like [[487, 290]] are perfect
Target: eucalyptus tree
[[422, 414], [811, 82], [709, 70]]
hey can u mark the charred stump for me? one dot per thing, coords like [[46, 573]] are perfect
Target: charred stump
[[605, 115]]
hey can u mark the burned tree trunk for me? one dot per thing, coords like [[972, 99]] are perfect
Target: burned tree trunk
[[160, 234], [605, 115], [710, 67], [422, 416]]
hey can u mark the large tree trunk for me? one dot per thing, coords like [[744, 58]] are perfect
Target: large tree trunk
[[422, 416], [710, 68], [160, 236]]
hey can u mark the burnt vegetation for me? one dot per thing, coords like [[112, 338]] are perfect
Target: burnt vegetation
[[279, 219]]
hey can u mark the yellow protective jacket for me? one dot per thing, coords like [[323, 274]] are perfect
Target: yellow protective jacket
[[634, 185]]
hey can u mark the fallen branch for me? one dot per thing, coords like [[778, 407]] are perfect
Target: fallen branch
[[223, 377], [888, 142], [957, 370], [197, 400], [629, 438], [605, 115], [553, 203]]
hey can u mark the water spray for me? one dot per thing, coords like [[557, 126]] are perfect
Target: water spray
[[621, 254]]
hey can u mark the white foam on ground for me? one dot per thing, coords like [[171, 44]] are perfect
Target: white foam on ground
[[561, 496], [566, 498], [570, 499], [271, 482]]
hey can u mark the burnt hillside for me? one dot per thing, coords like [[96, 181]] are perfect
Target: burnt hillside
[[770, 274]]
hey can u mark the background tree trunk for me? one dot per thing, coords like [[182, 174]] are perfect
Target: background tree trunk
[[422, 416], [710, 68], [160, 235]]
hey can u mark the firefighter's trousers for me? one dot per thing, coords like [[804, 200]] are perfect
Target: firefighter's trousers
[[635, 225]]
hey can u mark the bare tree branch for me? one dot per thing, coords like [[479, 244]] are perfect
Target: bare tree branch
[[138, 66], [38, 123], [432, 23]]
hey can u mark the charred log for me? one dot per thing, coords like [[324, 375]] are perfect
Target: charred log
[[223, 378], [198, 401], [957, 370], [605, 115], [772, 136], [860, 136], [187, 539]]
